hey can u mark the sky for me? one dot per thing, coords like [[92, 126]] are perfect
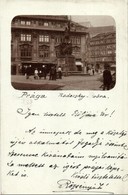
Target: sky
[[95, 20]]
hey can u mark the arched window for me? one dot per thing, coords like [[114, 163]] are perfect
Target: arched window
[[26, 51], [43, 51], [57, 50]]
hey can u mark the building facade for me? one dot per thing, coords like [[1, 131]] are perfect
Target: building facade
[[103, 49], [35, 41]]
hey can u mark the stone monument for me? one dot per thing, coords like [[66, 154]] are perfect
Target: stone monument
[[66, 60]]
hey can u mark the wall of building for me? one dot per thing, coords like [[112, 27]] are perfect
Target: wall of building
[[103, 49]]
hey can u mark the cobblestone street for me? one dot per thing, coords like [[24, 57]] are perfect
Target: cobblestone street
[[66, 83]]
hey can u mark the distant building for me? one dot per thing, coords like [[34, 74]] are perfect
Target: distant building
[[35, 41], [103, 49], [93, 31]]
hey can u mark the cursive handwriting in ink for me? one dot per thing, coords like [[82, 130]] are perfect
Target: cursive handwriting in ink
[[27, 113], [17, 141], [75, 96], [14, 173], [32, 95], [82, 114], [49, 114], [84, 143], [67, 184]]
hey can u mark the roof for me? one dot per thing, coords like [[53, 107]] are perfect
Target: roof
[[48, 17], [104, 35], [78, 25]]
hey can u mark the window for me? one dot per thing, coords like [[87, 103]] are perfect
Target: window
[[109, 46], [102, 53], [43, 38], [58, 39], [22, 37], [45, 23], [74, 40], [46, 38], [77, 40], [109, 51], [44, 51], [57, 49], [28, 37], [25, 37], [26, 51], [42, 23], [22, 22], [28, 23], [25, 22]]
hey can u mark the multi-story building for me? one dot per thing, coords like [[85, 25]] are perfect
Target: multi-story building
[[103, 49], [36, 39]]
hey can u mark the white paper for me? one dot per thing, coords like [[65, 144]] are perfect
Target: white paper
[[67, 152]]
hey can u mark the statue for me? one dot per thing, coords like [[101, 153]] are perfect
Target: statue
[[66, 59], [66, 45]]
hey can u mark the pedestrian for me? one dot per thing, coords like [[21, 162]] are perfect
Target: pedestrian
[[93, 71], [59, 72], [54, 73], [44, 71], [40, 74], [107, 77], [36, 74], [87, 69], [51, 73], [28, 71]]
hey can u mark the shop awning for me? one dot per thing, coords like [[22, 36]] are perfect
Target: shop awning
[[79, 64]]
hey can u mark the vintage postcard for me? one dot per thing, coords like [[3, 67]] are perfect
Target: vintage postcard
[[64, 97]]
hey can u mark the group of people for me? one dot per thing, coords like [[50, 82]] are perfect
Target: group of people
[[55, 73], [38, 74], [90, 70], [42, 72]]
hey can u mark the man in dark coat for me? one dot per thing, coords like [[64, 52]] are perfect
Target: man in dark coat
[[28, 71], [44, 71], [107, 78]]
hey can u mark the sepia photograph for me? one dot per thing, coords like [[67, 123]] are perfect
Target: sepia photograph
[[63, 52], [64, 97]]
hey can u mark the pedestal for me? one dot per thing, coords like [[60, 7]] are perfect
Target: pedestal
[[67, 63]]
